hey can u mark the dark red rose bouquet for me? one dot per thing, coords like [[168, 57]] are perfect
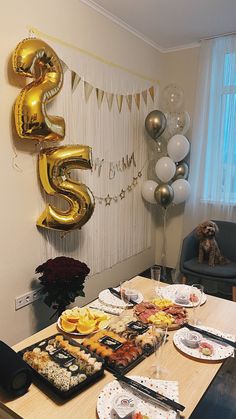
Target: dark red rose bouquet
[[62, 280]]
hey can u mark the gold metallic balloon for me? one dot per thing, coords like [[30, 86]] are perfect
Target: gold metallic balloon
[[54, 172], [36, 59], [155, 124], [164, 195], [181, 171]]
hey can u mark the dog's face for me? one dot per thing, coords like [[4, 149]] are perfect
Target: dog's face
[[208, 229]]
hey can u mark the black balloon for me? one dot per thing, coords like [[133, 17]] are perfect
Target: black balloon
[[155, 124]]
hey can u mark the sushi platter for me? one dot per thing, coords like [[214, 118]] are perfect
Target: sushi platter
[[63, 364], [123, 345]]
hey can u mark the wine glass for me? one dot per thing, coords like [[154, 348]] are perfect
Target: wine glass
[[159, 340], [196, 299], [156, 276]]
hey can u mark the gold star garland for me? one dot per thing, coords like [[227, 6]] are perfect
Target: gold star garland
[[109, 199]]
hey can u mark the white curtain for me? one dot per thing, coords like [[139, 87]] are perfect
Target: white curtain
[[213, 148], [123, 229]]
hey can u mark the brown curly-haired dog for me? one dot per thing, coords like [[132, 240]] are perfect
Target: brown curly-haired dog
[[208, 247]]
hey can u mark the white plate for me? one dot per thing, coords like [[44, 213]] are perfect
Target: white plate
[[77, 333], [106, 297], [153, 411], [170, 292], [74, 333], [221, 351]]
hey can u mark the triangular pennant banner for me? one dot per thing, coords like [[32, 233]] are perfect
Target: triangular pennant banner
[[64, 66], [144, 95], [129, 101], [88, 88], [100, 94], [75, 79], [119, 100], [109, 97], [152, 92], [137, 99]]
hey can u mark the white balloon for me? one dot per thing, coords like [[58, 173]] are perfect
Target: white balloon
[[181, 189], [147, 189], [165, 169], [178, 147]]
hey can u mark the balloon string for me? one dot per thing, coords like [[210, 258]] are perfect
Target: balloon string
[[14, 158], [163, 255]]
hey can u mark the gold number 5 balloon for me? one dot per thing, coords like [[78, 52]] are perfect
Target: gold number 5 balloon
[[36, 59], [54, 171]]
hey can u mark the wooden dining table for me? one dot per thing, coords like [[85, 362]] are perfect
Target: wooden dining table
[[193, 375]]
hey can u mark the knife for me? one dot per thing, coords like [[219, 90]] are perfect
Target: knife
[[155, 396], [210, 335], [117, 294]]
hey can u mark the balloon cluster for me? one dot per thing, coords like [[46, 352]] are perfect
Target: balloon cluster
[[171, 170]]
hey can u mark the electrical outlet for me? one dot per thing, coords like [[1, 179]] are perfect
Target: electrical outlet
[[25, 299]]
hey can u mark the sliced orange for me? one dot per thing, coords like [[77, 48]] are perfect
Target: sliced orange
[[85, 330], [68, 326], [72, 318], [86, 327]]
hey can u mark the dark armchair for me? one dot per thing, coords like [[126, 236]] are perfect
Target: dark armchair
[[193, 271]]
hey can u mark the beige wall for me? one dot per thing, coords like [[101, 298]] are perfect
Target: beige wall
[[179, 67], [20, 240]]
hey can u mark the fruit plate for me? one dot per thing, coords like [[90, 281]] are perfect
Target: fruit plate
[[171, 292], [106, 297], [220, 350], [63, 364], [150, 409], [82, 321]]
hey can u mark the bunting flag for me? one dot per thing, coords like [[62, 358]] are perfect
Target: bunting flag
[[129, 101], [64, 66], [75, 79], [119, 100], [144, 95], [100, 94], [109, 97], [137, 99], [152, 92], [88, 88]]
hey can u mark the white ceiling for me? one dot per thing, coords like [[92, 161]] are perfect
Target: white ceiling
[[171, 24]]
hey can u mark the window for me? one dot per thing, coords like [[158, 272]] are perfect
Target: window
[[220, 159]]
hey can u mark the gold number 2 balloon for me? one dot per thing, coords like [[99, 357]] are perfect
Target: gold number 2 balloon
[[54, 171], [36, 59]]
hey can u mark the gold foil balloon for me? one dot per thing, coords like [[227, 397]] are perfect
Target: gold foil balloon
[[54, 171], [181, 171], [36, 59], [164, 195], [155, 124]]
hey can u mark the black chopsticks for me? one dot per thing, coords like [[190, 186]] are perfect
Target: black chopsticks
[[157, 397], [210, 335], [117, 294]]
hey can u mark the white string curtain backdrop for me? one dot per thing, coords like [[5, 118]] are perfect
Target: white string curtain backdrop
[[211, 173], [123, 229]]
